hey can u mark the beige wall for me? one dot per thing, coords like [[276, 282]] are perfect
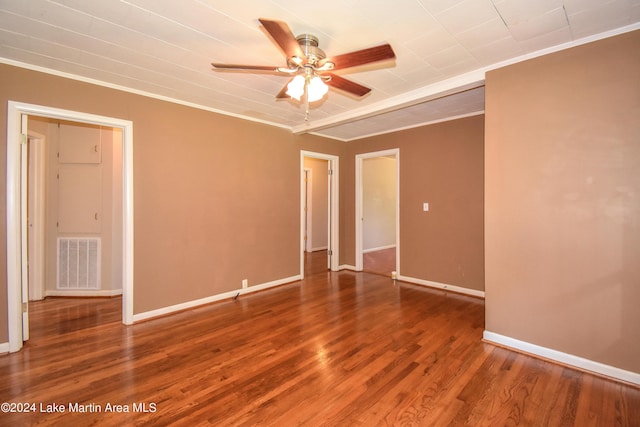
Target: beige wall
[[563, 201], [214, 195], [441, 164], [216, 199]]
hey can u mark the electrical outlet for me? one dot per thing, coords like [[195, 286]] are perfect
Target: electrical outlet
[[245, 283]]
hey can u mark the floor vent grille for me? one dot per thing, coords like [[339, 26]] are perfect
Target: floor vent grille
[[78, 263]]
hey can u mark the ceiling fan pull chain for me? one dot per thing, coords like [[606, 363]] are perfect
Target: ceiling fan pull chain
[[306, 113]]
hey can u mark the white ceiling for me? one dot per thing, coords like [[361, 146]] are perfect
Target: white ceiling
[[164, 48]]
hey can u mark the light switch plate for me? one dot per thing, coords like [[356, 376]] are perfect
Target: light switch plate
[[425, 206]]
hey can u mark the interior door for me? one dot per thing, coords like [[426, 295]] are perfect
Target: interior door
[[307, 211], [36, 215], [329, 216], [24, 196]]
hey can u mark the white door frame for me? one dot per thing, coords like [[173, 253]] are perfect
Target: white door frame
[[333, 196], [359, 204], [15, 111]]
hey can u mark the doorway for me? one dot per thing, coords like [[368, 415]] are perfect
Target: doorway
[[17, 130], [319, 207], [378, 212], [75, 176]]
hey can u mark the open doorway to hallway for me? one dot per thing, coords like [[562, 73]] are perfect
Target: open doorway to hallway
[[377, 231], [74, 221], [319, 208], [17, 220]]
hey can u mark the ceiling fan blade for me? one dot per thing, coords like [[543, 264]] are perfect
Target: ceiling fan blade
[[283, 36], [361, 57], [240, 67], [347, 85]]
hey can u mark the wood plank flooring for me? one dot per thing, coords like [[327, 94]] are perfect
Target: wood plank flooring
[[337, 349], [381, 262]]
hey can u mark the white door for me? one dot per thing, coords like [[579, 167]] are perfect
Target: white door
[[329, 216], [35, 216], [308, 211], [24, 185]]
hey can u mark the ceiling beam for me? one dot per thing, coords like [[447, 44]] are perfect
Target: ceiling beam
[[457, 84]]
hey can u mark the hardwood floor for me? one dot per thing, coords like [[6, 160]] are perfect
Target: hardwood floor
[[381, 262], [315, 263], [337, 349]]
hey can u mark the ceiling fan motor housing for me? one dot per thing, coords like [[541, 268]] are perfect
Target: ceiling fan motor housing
[[309, 45]]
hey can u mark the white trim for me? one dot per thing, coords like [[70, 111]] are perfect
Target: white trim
[[563, 358], [207, 300], [443, 286], [359, 204], [321, 248], [83, 293], [14, 266], [14, 263], [4, 347], [347, 267], [334, 214], [381, 248]]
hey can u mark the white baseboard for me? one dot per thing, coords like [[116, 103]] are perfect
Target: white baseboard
[[443, 286], [347, 267], [226, 295], [83, 293], [322, 248], [381, 248], [563, 358], [4, 347]]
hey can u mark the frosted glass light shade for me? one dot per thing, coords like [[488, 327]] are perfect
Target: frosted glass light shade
[[316, 89], [295, 88]]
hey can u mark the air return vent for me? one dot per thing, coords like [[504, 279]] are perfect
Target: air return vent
[[78, 263]]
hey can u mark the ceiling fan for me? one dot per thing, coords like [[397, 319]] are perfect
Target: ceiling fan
[[309, 67]]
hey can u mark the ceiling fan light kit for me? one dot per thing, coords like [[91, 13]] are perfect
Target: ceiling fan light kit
[[310, 67], [314, 87]]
